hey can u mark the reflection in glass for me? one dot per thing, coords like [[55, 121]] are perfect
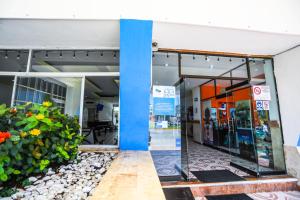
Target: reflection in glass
[[101, 110]]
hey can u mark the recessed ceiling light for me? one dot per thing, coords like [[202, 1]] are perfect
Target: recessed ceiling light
[[166, 64]]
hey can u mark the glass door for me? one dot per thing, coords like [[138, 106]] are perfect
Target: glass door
[[240, 128], [184, 123]]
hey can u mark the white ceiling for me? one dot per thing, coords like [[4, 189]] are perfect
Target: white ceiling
[[16, 33], [182, 36], [37, 33]]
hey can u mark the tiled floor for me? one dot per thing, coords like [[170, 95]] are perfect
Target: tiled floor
[[200, 158], [292, 195]]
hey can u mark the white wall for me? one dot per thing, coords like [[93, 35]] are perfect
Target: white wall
[[287, 72], [277, 16]]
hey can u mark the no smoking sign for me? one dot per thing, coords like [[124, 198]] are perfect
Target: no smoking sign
[[261, 93]]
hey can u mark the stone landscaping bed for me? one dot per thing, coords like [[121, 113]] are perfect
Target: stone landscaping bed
[[73, 181]]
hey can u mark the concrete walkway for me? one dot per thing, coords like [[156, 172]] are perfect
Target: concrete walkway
[[132, 176]]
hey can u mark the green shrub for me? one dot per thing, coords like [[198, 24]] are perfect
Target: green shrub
[[34, 137]]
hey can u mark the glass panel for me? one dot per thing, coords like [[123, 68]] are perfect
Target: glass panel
[[164, 120], [75, 61], [185, 114], [13, 60], [100, 122], [207, 65], [6, 88], [268, 133], [241, 138], [221, 85], [28, 92]]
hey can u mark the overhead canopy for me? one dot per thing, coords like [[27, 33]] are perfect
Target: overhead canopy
[[76, 34]]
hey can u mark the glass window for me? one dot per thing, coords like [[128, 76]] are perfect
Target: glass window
[[13, 60], [6, 88], [75, 61], [69, 103]]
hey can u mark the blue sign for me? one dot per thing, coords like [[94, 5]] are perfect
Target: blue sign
[[164, 106], [259, 105]]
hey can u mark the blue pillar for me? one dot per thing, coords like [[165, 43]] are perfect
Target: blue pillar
[[135, 75]]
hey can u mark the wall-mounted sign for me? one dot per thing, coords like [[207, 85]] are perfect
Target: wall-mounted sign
[[262, 105], [163, 91], [261, 93]]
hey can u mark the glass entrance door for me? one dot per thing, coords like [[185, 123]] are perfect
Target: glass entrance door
[[241, 138]]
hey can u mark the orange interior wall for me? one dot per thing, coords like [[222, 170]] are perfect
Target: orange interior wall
[[209, 92]]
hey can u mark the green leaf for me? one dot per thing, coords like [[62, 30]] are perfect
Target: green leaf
[[31, 125], [16, 172], [3, 177], [47, 121], [1, 170], [15, 138], [20, 123]]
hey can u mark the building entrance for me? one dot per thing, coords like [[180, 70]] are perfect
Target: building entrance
[[222, 125]]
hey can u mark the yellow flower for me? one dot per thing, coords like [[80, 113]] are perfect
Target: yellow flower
[[47, 103], [23, 134], [35, 132], [39, 116], [40, 142]]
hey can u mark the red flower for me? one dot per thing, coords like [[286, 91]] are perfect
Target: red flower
[[29, 114], [4, 136]]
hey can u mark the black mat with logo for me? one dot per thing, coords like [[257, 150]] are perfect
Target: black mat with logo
[[178, 193], [229, 197], [212, 176]]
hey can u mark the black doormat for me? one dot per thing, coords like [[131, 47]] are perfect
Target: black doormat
[[170, 178], [229, 197], [212, 176], [178, 193]]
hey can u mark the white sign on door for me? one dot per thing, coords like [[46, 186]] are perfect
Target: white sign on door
[[164, 91], [261, 93]]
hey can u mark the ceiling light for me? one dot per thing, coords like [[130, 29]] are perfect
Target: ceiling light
[[74, 55], [18, 56], [166, 64], [6, 55], [207, 58]]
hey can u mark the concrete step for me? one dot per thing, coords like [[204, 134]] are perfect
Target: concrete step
[[250, 185]]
